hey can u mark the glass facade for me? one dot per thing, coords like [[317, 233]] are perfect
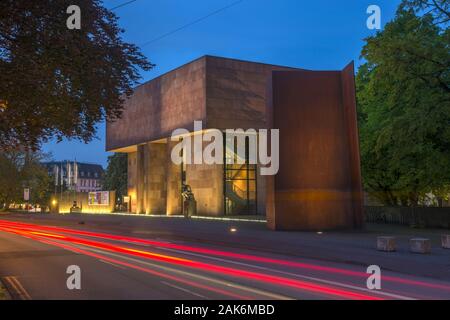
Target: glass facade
[[239, 179]]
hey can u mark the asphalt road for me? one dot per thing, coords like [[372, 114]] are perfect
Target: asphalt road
[[34, 259]]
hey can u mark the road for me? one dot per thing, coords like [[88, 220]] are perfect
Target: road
[[34, 259]]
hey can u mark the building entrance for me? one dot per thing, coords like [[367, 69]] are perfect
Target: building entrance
[[239, 181]]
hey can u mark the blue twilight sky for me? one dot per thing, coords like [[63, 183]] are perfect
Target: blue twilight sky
[[310, 34]]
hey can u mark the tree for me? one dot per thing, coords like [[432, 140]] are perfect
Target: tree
[[116, 175], [438, 9], [10, 183], [57, 82], [403, 93], [35, 176], [21, 169]]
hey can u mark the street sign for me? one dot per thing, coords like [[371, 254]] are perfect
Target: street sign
[[26, 194]]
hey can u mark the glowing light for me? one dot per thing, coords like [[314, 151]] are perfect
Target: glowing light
[[146, 270], [276, 280], [47, 235], [228, 219], [233, 229], [150, 254], [7, 225]]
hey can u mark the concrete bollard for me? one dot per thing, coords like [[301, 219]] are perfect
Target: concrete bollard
[[386, 244], [420, 245], [445, 241]]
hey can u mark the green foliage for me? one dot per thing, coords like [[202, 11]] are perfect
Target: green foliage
[[438, 9], [403, 93], [10, 183], [116, 174], [56, 82], [22, 169]]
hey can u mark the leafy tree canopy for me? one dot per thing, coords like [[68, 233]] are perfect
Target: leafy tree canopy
[[438, 9], [115, 177], [21, 169], [56, 82], [403, 93]]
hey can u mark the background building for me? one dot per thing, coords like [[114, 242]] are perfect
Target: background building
[[76, 176]]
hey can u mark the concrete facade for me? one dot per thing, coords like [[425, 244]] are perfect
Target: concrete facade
[[151, 183], [174, 199], [173, 100], [223, 94]]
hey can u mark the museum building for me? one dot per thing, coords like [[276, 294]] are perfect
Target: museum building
[[318, 184]]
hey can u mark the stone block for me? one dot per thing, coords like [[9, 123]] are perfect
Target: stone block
[[386, 244], [445, 238], [420, 245]]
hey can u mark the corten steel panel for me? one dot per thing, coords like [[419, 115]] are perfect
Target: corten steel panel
[[156, 108], [174, 198], [223, 93], [236, 93], [349, 102], [318, 186]]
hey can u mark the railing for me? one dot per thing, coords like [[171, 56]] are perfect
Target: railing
[[238, 199], [432, 217], [241, 193]]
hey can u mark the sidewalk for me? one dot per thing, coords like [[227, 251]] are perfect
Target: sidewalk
[[351, 247]]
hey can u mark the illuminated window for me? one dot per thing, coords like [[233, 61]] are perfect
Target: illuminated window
[[239, 182]]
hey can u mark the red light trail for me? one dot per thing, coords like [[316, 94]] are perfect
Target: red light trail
[[224, 254], [31, 230], [249, 275]]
